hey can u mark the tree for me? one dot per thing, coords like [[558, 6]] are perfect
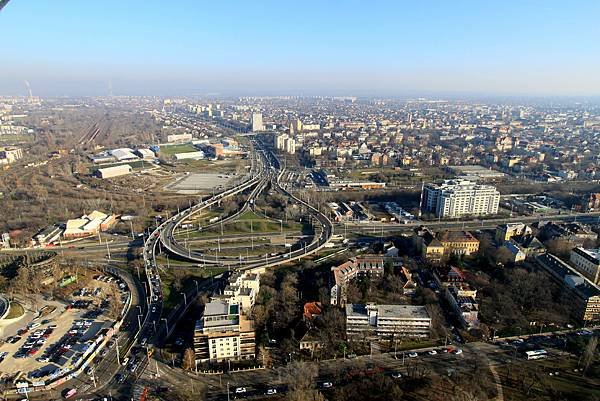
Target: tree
[[300, 378], [588, 353], [189, 359]]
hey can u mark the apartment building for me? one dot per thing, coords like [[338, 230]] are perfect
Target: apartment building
[[373, 321], [456, 198], [10, 155], [587, 262], [223, 334]]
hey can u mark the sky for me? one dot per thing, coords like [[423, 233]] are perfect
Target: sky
[[293, 47]]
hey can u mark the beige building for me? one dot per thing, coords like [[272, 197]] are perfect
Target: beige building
[[505, 232], [223, 334]]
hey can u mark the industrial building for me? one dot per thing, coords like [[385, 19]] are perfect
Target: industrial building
[[115, 171], [456, 198], [372, 321]]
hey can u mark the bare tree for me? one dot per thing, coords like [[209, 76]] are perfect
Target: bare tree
[[189, 359], [588, 353]]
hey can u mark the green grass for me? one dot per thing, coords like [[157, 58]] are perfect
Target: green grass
[[170, 150], [15, 310]]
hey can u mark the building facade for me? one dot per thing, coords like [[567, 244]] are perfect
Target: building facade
[[456, 198], [380, 321], [371, 265], [223, 334], [587, 262], [257, 122]]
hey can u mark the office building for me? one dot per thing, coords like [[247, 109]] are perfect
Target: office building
[[257, 122], [456, 198], [587, 262], [223, 334], [372, 321]]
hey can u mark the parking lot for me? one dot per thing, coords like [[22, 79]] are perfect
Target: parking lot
[[48, 346], [200, 182]]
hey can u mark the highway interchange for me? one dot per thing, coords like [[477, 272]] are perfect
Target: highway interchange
[[147, 328]]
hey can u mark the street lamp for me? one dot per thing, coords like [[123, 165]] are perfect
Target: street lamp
[[166, 324]]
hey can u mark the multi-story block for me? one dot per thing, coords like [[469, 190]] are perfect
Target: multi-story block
[[222, 334], [507, 231], [380, 321], [456, 198]]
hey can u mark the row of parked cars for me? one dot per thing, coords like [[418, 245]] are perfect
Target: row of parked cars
[[35, 341], [55, 352]]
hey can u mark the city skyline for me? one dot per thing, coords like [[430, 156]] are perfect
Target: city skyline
[[465, 49]]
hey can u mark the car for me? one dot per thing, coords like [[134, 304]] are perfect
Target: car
[[271, 391], [327, 385], [120, 378], [413, 355], [458, 351], [240, 390], [432, 352], [396, 375], [13, 339], [179, 341]]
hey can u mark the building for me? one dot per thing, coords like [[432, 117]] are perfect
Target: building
[[518, 255], [123, 154], [223, 334], [115, 171], [591, 202], [584, 294], [286, 143], [372, 321], [48, 235], [179, 137], [456, 198], [257, 122], [242, 289], [507, 231], [458, 242], [587, 262], [573, 232], [88, 225], [10, 155], [198, 155], [145, 153], [371, 265]]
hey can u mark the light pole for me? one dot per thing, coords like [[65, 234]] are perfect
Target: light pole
[[166, 324], [139, 322], [184, 298]]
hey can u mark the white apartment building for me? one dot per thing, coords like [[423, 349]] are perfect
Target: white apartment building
[[257, 122], [372, 321], [455, 198], [286, 143], [587, 262], [10, 155]]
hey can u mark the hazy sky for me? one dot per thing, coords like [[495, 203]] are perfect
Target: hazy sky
[[74, 47]]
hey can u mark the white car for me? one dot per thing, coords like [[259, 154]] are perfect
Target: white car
[[240, 390], [327, 385], [458, 351], [271, 391], [413, 355], [397, 375], [432, 352]]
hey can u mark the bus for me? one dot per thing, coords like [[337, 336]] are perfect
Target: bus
[[536, 354]]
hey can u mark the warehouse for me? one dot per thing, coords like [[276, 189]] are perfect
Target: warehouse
[[116, 171]]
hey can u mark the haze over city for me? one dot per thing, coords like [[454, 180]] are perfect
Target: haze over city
[[389, 48]]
